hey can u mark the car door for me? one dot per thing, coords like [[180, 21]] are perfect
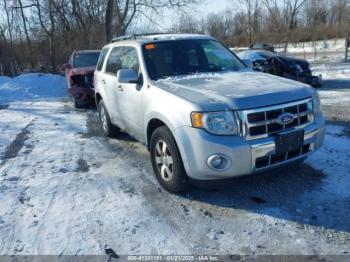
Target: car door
[[99, 74], [111, 86], [130, 95]]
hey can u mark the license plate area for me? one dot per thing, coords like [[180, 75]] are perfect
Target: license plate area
[[289, 141]]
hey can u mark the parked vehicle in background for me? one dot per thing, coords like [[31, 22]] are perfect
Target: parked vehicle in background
[[280, 65], [79, 74], [262, 46], [200, 111]]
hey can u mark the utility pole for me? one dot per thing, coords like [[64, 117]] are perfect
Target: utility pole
[[347, 47]]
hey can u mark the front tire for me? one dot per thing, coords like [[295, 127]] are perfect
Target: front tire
[[108, 128], [167, 162]]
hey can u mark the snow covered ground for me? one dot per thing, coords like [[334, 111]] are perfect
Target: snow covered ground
[[330, 45], [64, 189], [335, 93]]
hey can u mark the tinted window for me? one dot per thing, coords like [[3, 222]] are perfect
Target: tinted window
[[114, 60], [184, 57], [130, 59], [101, 59], [86, 59]]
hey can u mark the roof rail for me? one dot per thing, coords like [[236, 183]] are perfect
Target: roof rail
[[134, 36], [120, 38]]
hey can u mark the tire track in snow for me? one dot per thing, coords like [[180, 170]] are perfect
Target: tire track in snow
[[17, 144], [18, 189]]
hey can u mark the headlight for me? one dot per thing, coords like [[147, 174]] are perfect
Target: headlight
[[217, 123], [316, 104]]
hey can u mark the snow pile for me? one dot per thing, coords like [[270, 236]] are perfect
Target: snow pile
[[4, 79], [32, 86]]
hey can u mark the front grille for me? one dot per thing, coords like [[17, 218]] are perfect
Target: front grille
[[273, 159], [262, 122]]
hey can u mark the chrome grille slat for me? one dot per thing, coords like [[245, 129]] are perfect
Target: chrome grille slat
[[272, 159], [256, 129], [267, 122]]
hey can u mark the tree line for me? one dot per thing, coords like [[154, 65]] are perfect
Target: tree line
[[40, 34], [246, 22]]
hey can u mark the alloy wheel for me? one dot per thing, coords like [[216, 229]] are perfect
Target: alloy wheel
[[104, 119], [164, 160]]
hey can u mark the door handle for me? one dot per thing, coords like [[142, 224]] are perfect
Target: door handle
[[120, 88], [103, 81]]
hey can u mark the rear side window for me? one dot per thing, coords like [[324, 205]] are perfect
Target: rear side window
[[130, 59], [101, 59], [114, 60]]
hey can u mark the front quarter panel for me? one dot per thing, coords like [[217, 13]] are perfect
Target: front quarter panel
[[172, 110]]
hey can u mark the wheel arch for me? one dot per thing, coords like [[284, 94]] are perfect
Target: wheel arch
[[98, 98], [152, 125]]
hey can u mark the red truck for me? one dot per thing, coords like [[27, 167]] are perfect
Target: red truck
[[79, 74]]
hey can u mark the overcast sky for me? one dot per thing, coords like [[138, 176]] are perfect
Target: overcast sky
[[198, 11], [214, 6]]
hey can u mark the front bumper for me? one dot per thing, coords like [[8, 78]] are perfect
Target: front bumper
[[196, 146]]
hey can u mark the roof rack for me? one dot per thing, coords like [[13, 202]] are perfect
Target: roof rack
[[134, 36]]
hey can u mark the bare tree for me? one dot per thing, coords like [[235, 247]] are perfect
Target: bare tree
[[284, 16], [108, 20], [50, 32], [347, 46], [29, 44], [127, 10], [252, 11]]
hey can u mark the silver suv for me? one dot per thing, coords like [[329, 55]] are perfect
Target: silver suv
[[200, 111]]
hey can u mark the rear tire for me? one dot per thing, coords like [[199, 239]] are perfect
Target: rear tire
[[76, 104], [108, 128], [167, 162]]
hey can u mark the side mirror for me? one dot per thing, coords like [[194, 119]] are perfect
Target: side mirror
[[67, 66], [127, 76]]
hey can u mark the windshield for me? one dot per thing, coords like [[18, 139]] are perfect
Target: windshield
[[185, 57], [86, 59]]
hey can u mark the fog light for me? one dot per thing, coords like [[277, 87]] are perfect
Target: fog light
[[216, 161], [219, 162]]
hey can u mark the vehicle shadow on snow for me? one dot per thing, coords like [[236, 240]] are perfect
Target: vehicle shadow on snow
[[94, 128], [335, 84], [290, 193]]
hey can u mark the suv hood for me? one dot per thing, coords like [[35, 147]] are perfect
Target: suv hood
[[235, 90]]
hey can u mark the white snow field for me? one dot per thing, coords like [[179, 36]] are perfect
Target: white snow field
[[66, 190], [330, 45], [32, 86], [335, 92]]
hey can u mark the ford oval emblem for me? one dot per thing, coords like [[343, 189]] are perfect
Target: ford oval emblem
[[285, 119]]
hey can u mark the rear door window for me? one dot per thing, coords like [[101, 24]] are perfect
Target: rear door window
[[101, 59], [114, 60]]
